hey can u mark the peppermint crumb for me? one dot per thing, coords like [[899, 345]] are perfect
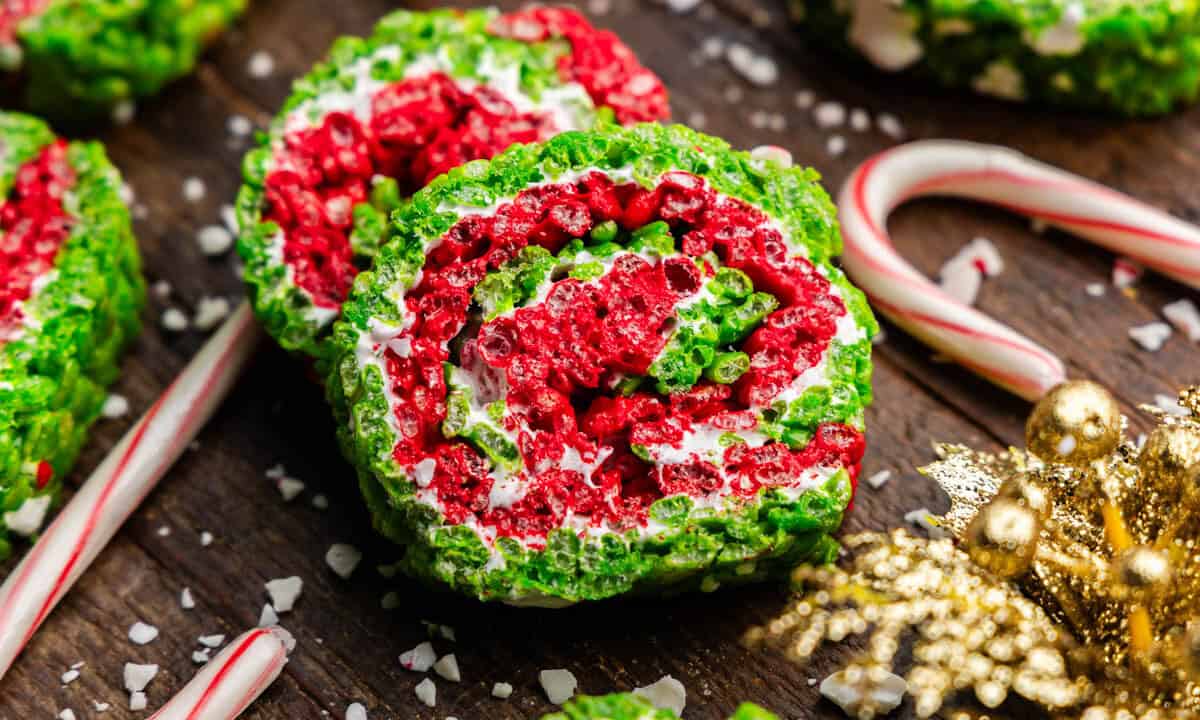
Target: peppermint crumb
[[174, 320], [757, 69], [78, 665], [115, 406], [200, 657], [889, 125], [137, 677], [140, 212], [211, 641], [268, 617], [713, 47], [390, 600], [194, 189], [426, 692], [141, 634], [229, 218], [343, 559], [356, 711], [126, 193], [502, 690], [733, 94], [69, 677], [123, 112], [681, 7], [320, 502], [829, 114], [886, 693], [860, 120], [67, 714], [1150, 336], [960, 281], [28, 518], [239, 126], [260, 65], [812, 681], [805, 99], [666, 694], [419, 659], [923, 519], [878, 479], [559, 685], [210, 312], [161, 289], [758, 119], [697, 120], [772, 153], [206, 538], [289, 487], [1170, 405], [444, 631], [447, 668], [599, 7], [835, 145], [1125, 272], [137, 701], [164, 531], [1185, 317], [1095, 289], [100, 707], [776, 122], [283, 592], [186, 601], [214, 240]]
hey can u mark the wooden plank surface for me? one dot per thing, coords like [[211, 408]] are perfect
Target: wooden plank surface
[[348, 644]]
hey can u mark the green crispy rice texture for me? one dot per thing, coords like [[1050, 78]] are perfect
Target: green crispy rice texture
[[699, 548], [82, 57], [53, 377], [625, 706], [282, 307], [1136, 57]]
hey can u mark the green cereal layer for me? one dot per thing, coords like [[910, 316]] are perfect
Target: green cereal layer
[[624, 706]]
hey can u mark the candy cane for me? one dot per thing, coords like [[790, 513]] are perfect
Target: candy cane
[[233, 679], [119, 484], [1006, 178]]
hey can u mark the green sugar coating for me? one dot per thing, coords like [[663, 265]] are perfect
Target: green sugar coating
[[626, 706], [461, 37], [53, 376], [1131, 57], [83, 57], [696, 547]]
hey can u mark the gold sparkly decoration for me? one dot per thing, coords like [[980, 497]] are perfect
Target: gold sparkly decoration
[[1071, 578]]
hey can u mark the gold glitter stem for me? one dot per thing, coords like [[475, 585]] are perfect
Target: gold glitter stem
[[1114, 527], [1141, 636]]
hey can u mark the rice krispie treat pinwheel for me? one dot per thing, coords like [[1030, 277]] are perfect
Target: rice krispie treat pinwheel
[[81, 57], [617, 361], [1133, 57], [623, 706], [70, 293], [427, 92]]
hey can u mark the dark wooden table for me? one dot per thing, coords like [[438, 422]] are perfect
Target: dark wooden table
[[348, 644]]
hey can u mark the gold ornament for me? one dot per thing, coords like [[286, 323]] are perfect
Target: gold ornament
[[1087, 542]]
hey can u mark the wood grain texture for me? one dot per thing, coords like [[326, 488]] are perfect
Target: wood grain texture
[[349, 645]]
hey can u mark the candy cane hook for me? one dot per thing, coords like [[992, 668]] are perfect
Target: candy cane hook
[[1006, 178]]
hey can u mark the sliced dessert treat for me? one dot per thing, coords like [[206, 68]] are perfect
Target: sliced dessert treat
[[624, 706], [1132, 57], [385, 115], [616, 361], [81, 57], [70, 294]]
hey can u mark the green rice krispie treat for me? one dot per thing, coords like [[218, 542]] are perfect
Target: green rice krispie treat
[[384, 115], [70, 294], [82, 57], [618, 361], [1133, 57], [624, 706]]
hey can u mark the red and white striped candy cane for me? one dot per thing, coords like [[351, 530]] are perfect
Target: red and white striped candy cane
[[1003, 177], [232, 680], [119, 484]]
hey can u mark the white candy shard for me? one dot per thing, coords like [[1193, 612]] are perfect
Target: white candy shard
[[666, 694], [419, 659], [186, 601], [211, 641], [137, 677], [502, 690], [426, 692], [137, 701], [356, 711], [214, 240], [922, 518], [343, 559], [885, 692], [447, 667], [283, 592], [1125, 272], [140, 633], [559, 684], [268, 617], [69, 677], [1150, 336], [877, 480], [885, 33], [1185, 317], [115, 406], [174, 320], [210, 312], [28, 519]]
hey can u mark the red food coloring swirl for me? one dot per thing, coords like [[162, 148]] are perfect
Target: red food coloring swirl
[[556, 360], [33, 227], [599, 61], [12, 12]]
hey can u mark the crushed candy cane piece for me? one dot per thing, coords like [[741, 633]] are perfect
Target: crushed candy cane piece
[[447, 667], [756, 69], [141, 633], [283, 592], [426, 692], [137, 701], [1150, 336], [1095, 289], [211, 641], [27, 519], [268, 617], [69, 677], [419, 659], [1170, 405], [137, 677], [115, 406], [356, 711], [922, 518], [849, 688], [186, 601], [877, 480], [210, 312], [1185, 317], [666, 694], [343, 559], [1125, 272], [829, 114], [559, 684], [214, 240], [502, 690], [174, 320], [194, 189], [260, 65]]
